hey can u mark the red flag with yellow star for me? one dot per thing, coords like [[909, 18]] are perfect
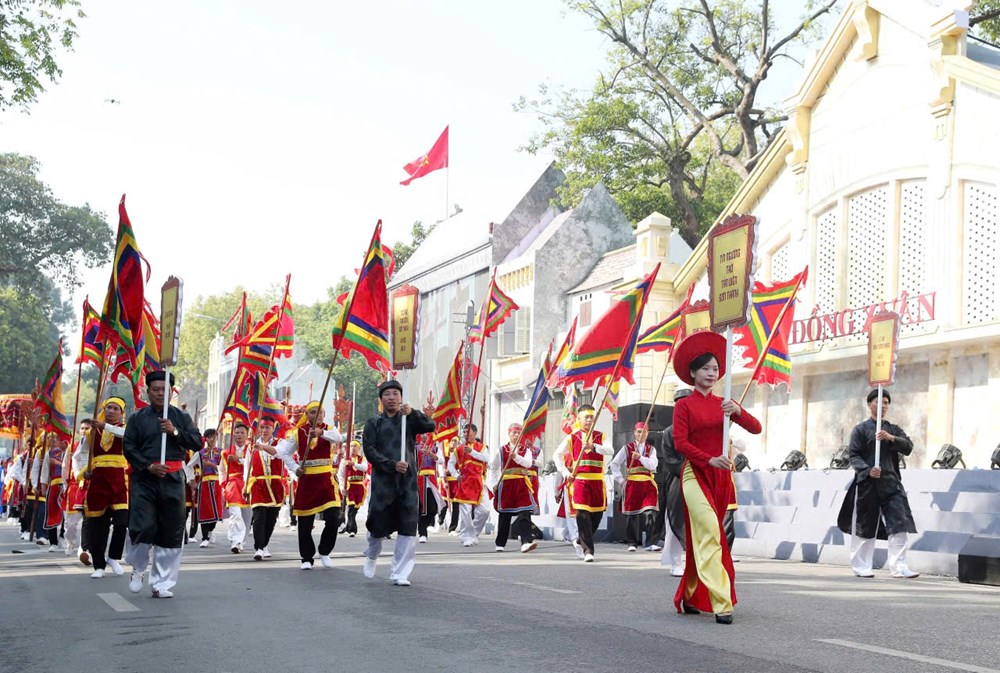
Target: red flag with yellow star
[[430, 162]]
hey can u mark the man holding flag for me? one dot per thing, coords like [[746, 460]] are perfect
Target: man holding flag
[[156, 516]]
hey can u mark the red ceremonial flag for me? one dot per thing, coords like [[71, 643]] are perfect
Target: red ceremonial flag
[[49, 402], [768, 303], [275, 330], [608, 347], [492, 313], [430, 162], [363, 323], [121, 319], [91, 346], [450, 406]]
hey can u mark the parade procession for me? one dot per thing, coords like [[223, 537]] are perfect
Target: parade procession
[[714, 386]]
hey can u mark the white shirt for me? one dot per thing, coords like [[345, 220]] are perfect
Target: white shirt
[[482, 456], [619, 462], [82, 456], [566, 447], [288, 446]]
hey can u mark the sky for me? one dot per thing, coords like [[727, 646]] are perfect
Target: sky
[[255, 139]]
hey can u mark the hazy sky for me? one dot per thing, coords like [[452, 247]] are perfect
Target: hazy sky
[[256, 139]]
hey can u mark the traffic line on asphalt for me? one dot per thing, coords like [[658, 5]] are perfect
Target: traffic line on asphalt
[[118, 603], [957, 665], [72, 568], [540, 587]]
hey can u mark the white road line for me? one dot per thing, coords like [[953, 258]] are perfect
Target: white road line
[[909, 655], [540, 587], [70, 568], [118, 603]]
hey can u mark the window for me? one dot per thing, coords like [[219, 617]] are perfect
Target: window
[[980, 303], [585, 310], [515, 333]]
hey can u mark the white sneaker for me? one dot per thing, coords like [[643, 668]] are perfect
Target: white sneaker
[[97, 574], [325, 560], [266, 553], [401, 583], [258, 555], [654, 547], [864, 573], [588, 558], [41, 542], [70, 551], [476, 541], [306, 565], [451, 533], [53, 548], [528, 546], [422, 539], [631, 547], [235, 549], [369, 568], [162, 593], [903, 572], [351, 534], [498, 548], [116, 567], [578, 549], [677, 571], [135, 582], [24, 535], [204, 544], [468, 543]]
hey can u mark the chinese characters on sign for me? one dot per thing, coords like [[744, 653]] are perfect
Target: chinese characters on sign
[[883, 344], [404, 327], [731, 266]]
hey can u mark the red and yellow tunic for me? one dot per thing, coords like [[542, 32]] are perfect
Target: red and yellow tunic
[[641, 494], [76, 488], [266, 484], [315, 491], [108, 487], [53, 501], [234, 486], [515, 492], [450, 482], [209, 488], [426, 474], [709, 577], [471, 470], [356, 476], [587, 488]]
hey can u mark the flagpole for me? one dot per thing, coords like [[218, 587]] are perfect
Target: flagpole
[[666, 368], [727, 388], [447, 177], [102, 376], [770, 337]]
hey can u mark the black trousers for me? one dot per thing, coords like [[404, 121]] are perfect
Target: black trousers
[[443, 513], [98, 528], [352, 520], [327, 539], [453, 524], [51, 535], [658, 529], [85, 534], [587, 524], [262, 523], [206, 529], [156, 510], [426, 520], [522, 527], [635, 524], [28, 511]]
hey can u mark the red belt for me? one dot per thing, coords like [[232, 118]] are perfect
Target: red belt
[[174, 465]]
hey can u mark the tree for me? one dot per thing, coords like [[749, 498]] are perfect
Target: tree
[[675, 124], [984, 20], [28, 340], [31, 32], [43, 237]]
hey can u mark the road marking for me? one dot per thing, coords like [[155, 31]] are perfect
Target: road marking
[[118, 603], [540, 587], [909, 655], [70, 568]]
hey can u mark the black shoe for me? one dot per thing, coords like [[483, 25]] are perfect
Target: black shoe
[[688, 610], [724, 619]]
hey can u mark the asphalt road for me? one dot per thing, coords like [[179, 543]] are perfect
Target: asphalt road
[[472, 610]]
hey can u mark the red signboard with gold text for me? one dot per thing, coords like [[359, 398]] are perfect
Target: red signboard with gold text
[[404, 314]]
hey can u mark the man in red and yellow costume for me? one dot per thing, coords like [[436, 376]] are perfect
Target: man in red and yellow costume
[[516, 498], [468, 463], [634, 469], [316, 492], [233, 486], [208, 496], [266, 486], [580, 460], [107, 501], [356, 471]]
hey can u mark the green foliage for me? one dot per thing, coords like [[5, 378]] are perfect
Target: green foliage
[[28, 340], [43, 237], [674, 123], [984, 20], [31, 32]]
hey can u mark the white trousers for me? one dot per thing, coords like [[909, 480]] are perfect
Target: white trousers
[[863, 553], [72, 523], [239, 524], [403, 558], [673, 554], [166, 564], [471, 521], [570, 531]]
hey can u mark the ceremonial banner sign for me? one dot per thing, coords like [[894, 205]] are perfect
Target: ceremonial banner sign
[[696, 318], [170, 320], [404, 327], [732, 248], [883, 346], [14, 411]]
